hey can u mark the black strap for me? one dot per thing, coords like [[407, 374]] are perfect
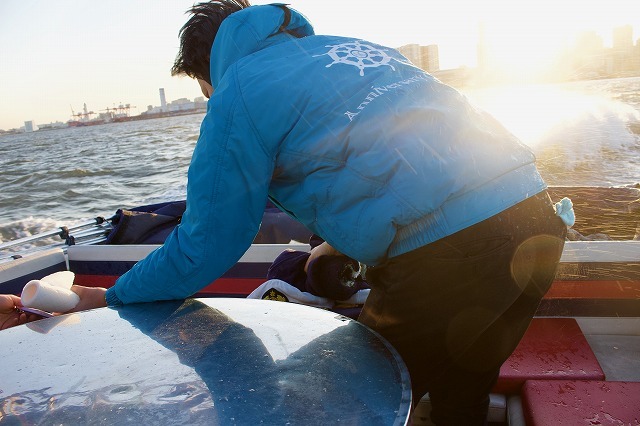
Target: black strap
[[285, 24]]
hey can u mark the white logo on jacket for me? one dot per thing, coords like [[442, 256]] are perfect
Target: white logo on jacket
[[378, 91], [359, 55]]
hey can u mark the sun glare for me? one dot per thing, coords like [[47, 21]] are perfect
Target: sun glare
[[540, 114], [525, 38], [533, 112], [523, 45]]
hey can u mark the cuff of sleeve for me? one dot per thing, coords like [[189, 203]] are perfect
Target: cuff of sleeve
[[112, 299]]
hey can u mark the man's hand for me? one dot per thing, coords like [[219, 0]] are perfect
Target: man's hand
[[90, 297], [10, 315], [323, 249]]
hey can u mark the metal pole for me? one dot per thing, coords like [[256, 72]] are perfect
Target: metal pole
[[62, 232]]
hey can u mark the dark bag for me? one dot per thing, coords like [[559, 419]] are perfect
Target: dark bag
[[153, 223], [149, 224]]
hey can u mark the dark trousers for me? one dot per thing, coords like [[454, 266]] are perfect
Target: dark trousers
[[457, 308]]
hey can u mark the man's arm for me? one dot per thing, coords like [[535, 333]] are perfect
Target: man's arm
[[90, 297], [227, 190], [323, 249]]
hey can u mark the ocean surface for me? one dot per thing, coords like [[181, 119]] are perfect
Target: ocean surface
[[583, 133]]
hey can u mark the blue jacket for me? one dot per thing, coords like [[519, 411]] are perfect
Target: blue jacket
[[366, 150]]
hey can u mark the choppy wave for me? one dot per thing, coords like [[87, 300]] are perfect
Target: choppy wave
[[582, 133], [61, 177], [27, 227]]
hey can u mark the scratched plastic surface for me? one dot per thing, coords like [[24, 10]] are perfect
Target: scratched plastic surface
[[201, 361]]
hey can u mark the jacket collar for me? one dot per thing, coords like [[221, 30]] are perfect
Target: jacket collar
[[250, 30]]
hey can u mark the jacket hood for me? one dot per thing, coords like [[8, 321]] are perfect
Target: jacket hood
[[250, 30]]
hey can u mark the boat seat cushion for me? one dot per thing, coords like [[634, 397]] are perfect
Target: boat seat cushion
[[552, 348], [578, 402], [16, 273]]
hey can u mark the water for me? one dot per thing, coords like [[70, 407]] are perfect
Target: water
[[583, 133], [64, 176]]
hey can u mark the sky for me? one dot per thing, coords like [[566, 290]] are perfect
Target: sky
[[56, 55]]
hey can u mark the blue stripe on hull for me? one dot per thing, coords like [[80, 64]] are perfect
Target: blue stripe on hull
[[117, 268], [15, 286]]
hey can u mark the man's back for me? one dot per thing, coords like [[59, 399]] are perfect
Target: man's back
[[366, 144]]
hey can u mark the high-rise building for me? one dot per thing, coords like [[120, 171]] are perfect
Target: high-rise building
[[430, 57], [163, 100], [425, 57], [622, 52], [635, 56], [588, 55], [412, 53]]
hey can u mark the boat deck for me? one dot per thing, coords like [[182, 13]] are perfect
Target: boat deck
[[596, 293], [616, 344]]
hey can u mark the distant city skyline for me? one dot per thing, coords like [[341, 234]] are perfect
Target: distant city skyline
[[586, 58], [56, 56]]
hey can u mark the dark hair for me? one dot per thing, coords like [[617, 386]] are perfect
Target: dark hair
[[197, 35]]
